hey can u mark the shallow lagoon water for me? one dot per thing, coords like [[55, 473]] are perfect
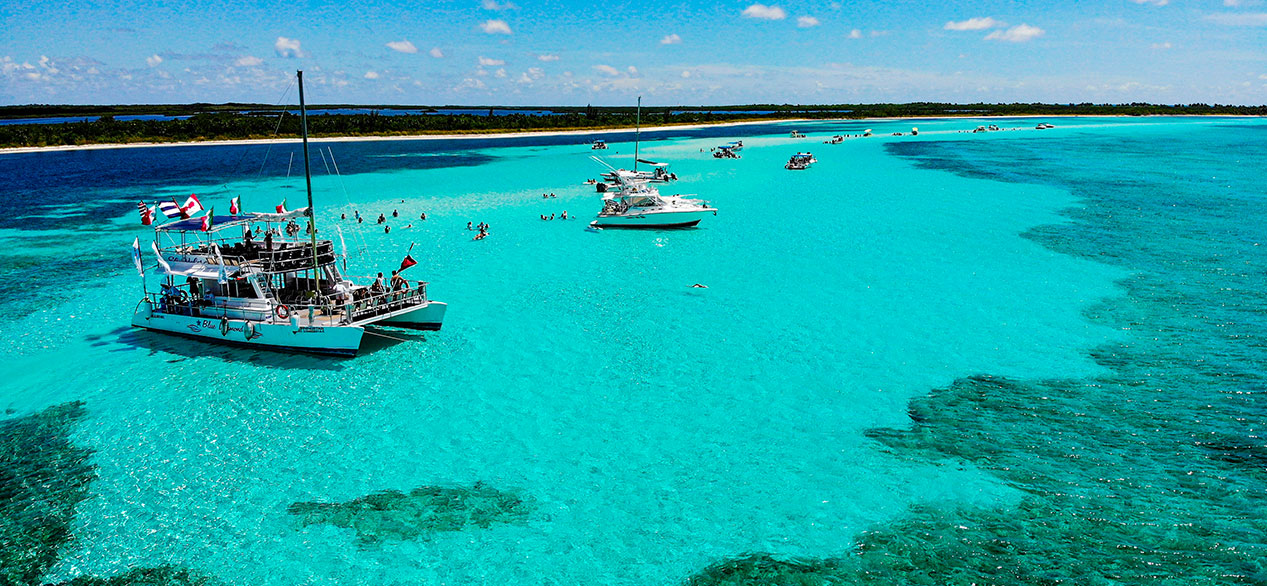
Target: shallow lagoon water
[[657, 428]]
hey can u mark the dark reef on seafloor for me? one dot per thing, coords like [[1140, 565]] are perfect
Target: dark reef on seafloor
[[43, 476], [425, 510]]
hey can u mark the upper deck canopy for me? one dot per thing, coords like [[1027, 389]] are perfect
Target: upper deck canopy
[[223, 222]]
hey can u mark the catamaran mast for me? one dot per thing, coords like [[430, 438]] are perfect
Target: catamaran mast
[[312, 216], [637, 132]]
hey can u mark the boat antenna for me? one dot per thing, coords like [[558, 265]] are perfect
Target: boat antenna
[[637, 132], [312, 217]]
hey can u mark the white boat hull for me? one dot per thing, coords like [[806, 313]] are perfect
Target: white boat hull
[[660, 219], [428, 317], [322, 339]]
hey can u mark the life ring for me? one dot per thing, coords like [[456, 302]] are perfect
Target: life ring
[[224, 325], [282, 311]]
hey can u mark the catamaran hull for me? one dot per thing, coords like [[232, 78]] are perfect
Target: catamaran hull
[[428, 317], [682, 219], [337, 340]]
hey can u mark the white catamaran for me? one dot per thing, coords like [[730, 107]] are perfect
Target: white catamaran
[[238, 279]]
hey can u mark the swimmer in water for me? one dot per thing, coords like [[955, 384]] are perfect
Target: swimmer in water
[[699, 286]]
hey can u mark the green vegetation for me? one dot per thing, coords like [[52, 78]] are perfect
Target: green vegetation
[[425, 510], [254, 121]]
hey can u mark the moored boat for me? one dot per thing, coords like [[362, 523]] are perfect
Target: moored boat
[[249, 279]]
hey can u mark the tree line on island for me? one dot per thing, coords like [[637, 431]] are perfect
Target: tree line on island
[[255, 121]]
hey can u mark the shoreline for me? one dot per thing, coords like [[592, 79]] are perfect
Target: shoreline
[[530, 133]]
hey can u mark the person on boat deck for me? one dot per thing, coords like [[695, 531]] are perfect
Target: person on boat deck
[[377, 287], [268, 240], [195, 287], [246, 239], [398, 282]]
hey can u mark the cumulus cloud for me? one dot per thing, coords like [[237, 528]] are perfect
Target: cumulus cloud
[[1238, 18], [371, 75], [153, 60], [470, 84], [764, 12], [486, 62], [973, 24], [248, 61], [608, 69], [672, 39], [632, 70], [533, 74], [288, 48], [547, 58], [494, 5], [495, 27], [1017, 34], [686, 74], [806, 21], [402, 46], [437, 53]]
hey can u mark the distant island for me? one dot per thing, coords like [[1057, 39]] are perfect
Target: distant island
[[122, 124]]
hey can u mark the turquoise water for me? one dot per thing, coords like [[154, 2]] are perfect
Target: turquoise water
[[917, 334]]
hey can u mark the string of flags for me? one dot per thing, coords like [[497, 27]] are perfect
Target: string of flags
[[173, 209]]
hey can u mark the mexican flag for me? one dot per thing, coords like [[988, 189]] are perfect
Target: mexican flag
[[235, 206], [206, 220], [281, 209]]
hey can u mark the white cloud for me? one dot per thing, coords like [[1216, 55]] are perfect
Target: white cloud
[[672, 39], [632, 70], [806, 21], [608, 69], [1017, 34], [288, 48], [493, 5], [153, 60], [855, 34], [973, 24], [1152, 2], [402, 46], [764, 12], [486, 62], [686, 74], [437, 53], [547, 58], [470, 84], [1238, 18], [495, 27], [533, 74], [1165, 45], [248, 61], [371, 75], [500, 73]]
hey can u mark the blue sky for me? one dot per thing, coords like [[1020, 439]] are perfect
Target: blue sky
[[542, 52]]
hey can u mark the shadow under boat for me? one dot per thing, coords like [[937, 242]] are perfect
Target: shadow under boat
[[186, 347]]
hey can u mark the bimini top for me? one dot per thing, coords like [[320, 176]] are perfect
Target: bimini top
[[220, 222]]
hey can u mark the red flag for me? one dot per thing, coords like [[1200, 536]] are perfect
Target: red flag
[[408, 262], [147, 215]]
